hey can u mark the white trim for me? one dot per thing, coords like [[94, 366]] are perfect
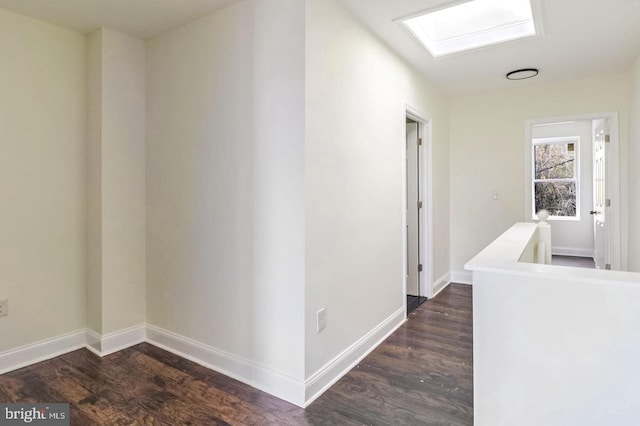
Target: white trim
[[426, 185], [260, 377], [462, 277], [571, 251], [26, 355], [558, 219], [283, 386], [403, 209], [93, 342], [122, 339], [335, 369], [103, 345], [42, 350], [613, 165], [426, 279], [440, 284]]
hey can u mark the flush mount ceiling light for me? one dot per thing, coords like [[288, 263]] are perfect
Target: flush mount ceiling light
[[473, 24], [522, 74]]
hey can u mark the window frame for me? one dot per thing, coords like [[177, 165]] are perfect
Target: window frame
[[550, 141]]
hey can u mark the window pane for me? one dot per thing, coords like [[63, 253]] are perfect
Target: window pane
[[559, 198], [555, 161]]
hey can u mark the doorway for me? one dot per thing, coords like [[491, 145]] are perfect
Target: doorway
[[414, 214], [592, 228]]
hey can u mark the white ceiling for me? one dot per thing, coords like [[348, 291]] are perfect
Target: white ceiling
[[582, 38], [139, 18]]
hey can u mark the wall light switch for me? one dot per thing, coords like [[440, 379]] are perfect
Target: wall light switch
[[322, 319], [494, 196], [4, 307]]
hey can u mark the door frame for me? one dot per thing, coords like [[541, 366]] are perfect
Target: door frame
[[426, 195], [618, 262]]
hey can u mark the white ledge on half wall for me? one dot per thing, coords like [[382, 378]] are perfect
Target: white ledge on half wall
[[555, 342], [509, 252]]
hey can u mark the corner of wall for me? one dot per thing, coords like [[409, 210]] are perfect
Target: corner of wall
[[634, 172], [336, 368]]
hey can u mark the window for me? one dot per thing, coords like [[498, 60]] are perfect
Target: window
[[555, 177], [472, 24]]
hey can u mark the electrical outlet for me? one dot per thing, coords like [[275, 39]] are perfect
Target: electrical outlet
[[4, 307], [322, 319]]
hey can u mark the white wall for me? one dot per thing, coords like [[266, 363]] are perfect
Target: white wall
[[230, 186], [487, 153], [94, 182], [278, 184], [551, 348], [116, 172], [356, 91], [634, 171], [42, 170], [574, 237], [225, 176], [554, 342], [123, 181]]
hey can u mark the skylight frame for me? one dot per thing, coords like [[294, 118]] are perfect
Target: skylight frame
[[536, 23]]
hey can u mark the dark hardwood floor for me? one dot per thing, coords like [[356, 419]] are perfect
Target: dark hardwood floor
[[414, 301], [421, 375]]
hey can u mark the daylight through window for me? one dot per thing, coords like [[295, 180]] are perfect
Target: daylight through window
[[555, 176]]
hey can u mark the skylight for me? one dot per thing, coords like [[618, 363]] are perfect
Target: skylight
[[472, 24]]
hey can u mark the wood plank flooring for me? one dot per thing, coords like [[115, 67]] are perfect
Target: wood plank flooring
[[421, 375]]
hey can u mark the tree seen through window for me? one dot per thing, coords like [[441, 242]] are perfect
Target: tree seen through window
[[555, 181]]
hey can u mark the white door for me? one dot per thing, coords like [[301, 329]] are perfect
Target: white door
[[600, 210], [413, 221]]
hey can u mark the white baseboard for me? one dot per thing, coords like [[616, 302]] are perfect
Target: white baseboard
[[570, 251], [462, 277], [260, 377], [93, 342], [122, 339], [333, 371], [103, 345], [24, 356], [440, 284], [40, 351]]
